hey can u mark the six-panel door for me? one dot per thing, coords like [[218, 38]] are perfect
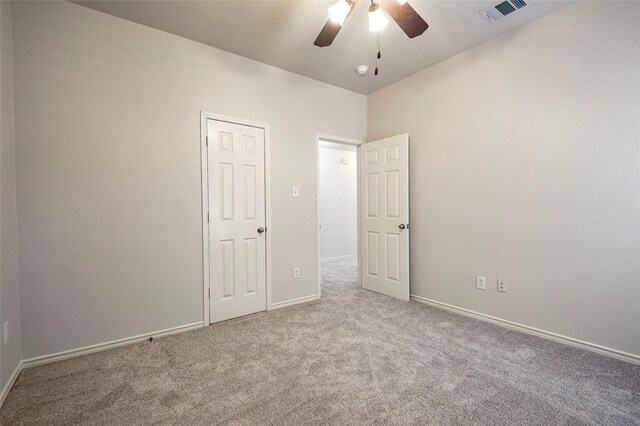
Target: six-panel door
[[236, 220], [384, 180]]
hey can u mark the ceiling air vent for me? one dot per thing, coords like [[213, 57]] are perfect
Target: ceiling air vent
[[507, 7]]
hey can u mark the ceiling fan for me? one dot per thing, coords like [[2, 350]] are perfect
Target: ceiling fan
[[399, 10]]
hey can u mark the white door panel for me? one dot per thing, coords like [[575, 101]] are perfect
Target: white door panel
[[384, 176], [236, 211]]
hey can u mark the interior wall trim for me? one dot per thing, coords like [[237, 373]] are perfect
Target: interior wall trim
[[338, 257], [9, 385], [603, 350], [58, 356], [292, 302]]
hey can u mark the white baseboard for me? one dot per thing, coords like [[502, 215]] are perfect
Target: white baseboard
[[292, 302], [625, 356], [12, 380], [44, 359], [338, 257]]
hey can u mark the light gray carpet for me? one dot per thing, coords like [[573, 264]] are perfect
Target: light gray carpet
[[355, 357]]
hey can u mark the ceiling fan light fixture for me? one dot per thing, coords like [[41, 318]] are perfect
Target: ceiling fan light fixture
[[377, 20], [339, 11]]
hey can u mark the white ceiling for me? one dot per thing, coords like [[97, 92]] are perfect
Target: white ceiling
[[281, 33]]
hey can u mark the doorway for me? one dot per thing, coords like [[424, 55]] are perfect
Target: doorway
[[338, 209], [235, 224], [382, 218]]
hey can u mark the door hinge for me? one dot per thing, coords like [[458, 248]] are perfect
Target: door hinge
[[209, 293], [207, 217], [207, 141]]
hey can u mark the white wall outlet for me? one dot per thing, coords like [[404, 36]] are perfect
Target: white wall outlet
[[6, 332], [481, 282], [296, 273], [295, 192], [502, 286]]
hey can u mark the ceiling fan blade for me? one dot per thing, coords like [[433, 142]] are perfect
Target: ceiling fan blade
[[330, 30], [406, 17]]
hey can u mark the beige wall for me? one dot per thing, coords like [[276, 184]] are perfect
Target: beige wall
[[10, 354], [525, 165], [108, 160]]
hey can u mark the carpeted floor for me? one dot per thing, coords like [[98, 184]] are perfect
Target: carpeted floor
[[355, 357]]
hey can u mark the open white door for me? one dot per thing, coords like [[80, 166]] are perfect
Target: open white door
[[384, 180]]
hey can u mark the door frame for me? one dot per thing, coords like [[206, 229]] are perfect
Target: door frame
[[344, 141], [206, 267]]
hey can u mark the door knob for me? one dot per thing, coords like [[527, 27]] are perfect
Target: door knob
[[402, 226], [260, 230]]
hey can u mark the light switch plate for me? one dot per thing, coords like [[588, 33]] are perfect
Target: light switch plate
[[296, 273], [481, 282], [295, 192]]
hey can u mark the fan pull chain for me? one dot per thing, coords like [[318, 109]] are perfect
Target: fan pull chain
[[378, 56]]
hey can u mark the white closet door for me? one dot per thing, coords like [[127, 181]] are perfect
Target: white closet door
[[384, 180], [236, 220]]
